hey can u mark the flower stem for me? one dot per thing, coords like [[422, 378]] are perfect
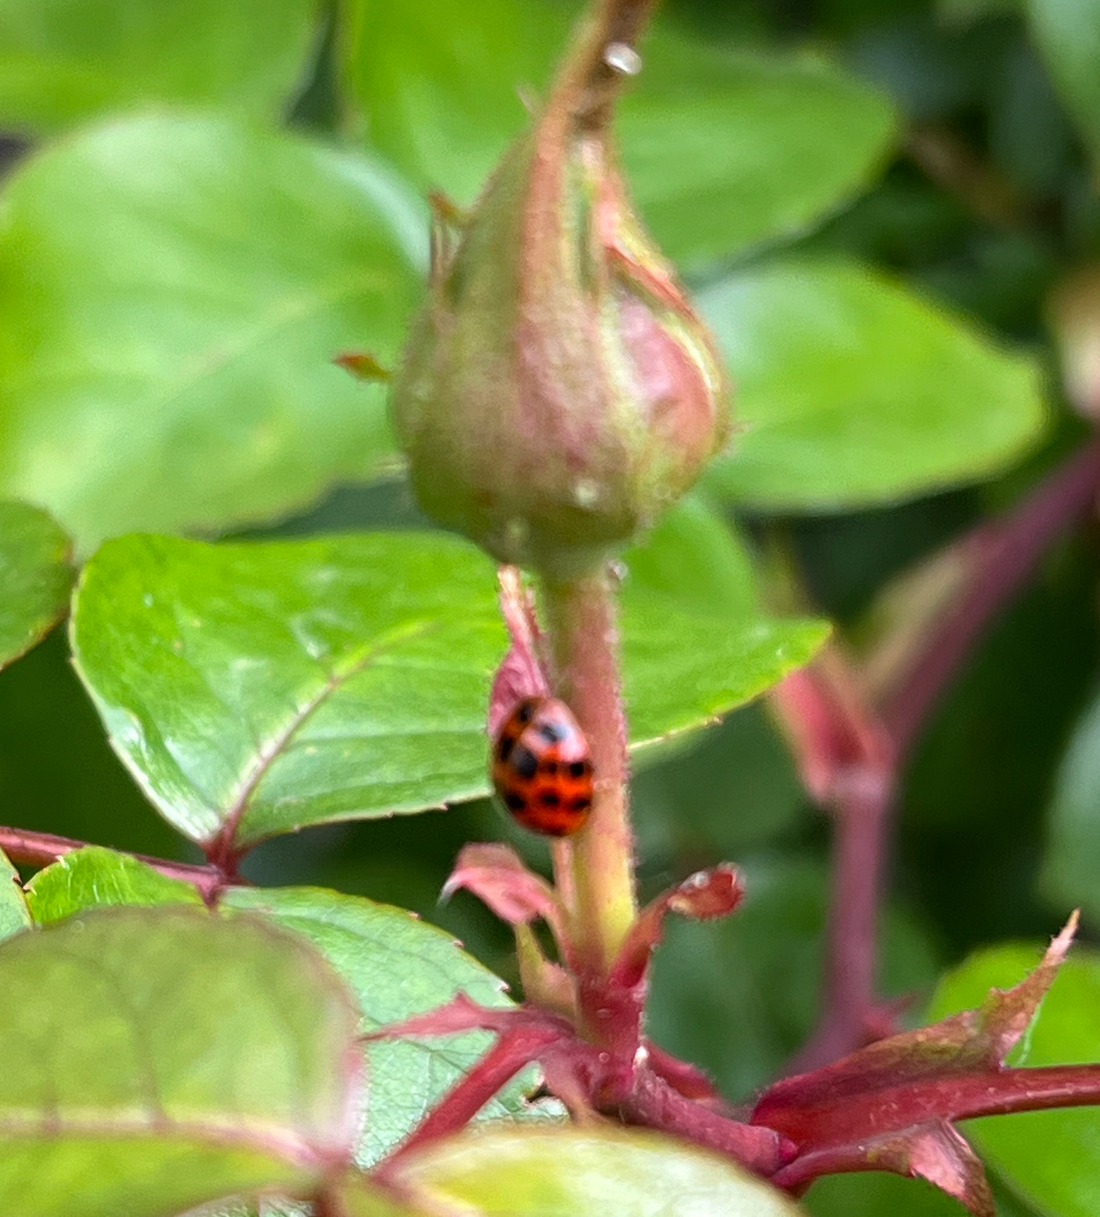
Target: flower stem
[[597, 867]]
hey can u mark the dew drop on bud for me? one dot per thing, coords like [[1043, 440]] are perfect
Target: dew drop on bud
[[586, 493]]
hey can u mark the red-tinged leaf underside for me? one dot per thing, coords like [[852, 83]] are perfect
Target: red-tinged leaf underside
[[496, 875], [704, 896], [889, 1106]]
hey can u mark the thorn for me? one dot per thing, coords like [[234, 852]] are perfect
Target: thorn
[[446, 210], [363, 366]]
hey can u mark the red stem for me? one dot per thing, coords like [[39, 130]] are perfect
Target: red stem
[[516, 1048], [656, 1104], [43, 848], [860, 845], [849, 1122], [851, 753], [1004, 552]]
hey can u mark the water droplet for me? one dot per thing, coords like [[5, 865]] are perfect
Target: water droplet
[[586, 493], [622, 58], [147, 600]]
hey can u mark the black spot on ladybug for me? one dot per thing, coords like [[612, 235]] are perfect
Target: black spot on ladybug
[[524, 762], [541, 767]]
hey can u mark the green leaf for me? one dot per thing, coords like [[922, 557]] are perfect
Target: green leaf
[[1071, 867], [692, 621], [574, 1172], [440, 82], [397, 966], [682, 670], [723, 151], [1067, 33], [967, 12], [254, 689], [851, 390], [694, 557], [172, 292], [14, 914], [272, 685], [62, 61], [1051, 1159], [877, 1194], [156, 1059], [94, 877], [35, 577]]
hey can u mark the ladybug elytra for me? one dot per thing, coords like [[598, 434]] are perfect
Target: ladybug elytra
[[541, 767]]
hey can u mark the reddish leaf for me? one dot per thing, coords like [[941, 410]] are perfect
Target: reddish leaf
[[685, 1079], [886, 1107], [833, 732], [496, 875], [521, 672], [704, 896], [934, 1151]]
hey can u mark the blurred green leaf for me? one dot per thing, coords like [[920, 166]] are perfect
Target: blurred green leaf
[[722, 150], [94, 877], [440, 82], [693, 556], [156, 1059], [571, 1172], [1067, 33], [877, 1194], [35, 577], [1051, 1159], [172, 292], [254, 689], [852, 391], [730, 788], [1071, 864], [58, 773], [62, 61], [397, 966], [966, 12], [14, 914]]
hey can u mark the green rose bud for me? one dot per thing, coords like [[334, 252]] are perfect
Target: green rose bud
[[558, 391]]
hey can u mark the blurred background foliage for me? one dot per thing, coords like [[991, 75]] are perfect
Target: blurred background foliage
[[863, 161]]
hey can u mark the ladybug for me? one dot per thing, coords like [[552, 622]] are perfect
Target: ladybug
[[541, 767]]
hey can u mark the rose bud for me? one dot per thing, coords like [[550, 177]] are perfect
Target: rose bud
[[558, 391]]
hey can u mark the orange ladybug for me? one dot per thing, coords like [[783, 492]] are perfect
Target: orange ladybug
[[541, 767]]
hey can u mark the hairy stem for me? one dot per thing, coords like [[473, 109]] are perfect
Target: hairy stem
[[513, 1052], [598, 861], [593, 72], [43, 849]]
